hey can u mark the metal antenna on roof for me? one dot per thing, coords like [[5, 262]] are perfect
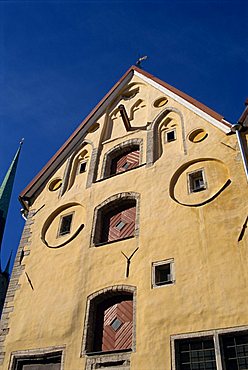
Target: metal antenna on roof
[[140, 60]]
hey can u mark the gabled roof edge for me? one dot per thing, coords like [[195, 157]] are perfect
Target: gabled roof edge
[[73, 135], [44, 170]]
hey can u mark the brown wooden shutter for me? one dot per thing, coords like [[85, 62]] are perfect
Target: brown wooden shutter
[[125, 161], [118, 326], [119, 224]]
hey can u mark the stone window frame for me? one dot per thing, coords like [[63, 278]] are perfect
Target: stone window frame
[[33, 353], [59, 235], [106, 206], [216, 334], [117, 150], [173, 129], [118, 361], [84, 161], [190, 187], [169, 261], [94, 359]]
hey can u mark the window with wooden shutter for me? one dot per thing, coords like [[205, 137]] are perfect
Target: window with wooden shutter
[[114, 324], [125, 161], [119, 223]]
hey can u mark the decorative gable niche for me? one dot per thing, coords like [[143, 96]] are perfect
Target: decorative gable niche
[[133, 98]]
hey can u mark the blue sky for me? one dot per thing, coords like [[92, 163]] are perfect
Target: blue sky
[[59, 58]]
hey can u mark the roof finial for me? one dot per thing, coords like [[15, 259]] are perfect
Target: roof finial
[[140, 60], [21, 141]]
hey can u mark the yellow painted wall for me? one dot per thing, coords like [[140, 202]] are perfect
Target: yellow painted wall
[[211, 272]]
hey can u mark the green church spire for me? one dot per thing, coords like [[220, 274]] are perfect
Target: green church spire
[[6, 190]]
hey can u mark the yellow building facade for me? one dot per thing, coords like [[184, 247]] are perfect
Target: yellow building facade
[[135, 249]]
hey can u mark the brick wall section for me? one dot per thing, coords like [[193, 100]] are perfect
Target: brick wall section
[[23, 250]]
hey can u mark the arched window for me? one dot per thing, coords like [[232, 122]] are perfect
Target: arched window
[[80, 165], [115, 219], [125, 161], [123, 157], [109, 320], [166, 132]]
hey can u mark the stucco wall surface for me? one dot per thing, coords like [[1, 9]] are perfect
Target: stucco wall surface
[[199, 231]]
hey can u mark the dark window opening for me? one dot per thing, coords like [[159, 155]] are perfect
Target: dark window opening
[[38, 362], [235, 351], [82, 167], [163, 274], [170, 136], [110, 364], [196, 181], [65, 225], [196, 353]]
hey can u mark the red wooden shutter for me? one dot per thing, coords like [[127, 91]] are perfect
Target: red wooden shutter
[[125, 161], [119, 224], [118, 326]]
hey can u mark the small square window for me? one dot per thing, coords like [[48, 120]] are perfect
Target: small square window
[[116, 324], [65, 225], [82, 167], [126, 165], [120, 225], [196, 181], [170, 136], [162, 273]]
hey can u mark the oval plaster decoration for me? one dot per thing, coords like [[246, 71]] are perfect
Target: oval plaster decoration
[[55, 184], [160, 102], [198, 135], [94, 127], [216, 176], [50, 235]]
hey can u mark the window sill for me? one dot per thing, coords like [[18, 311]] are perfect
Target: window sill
[[120, 173], [171, 283], [102, 353], [113, 241], [193, 191]]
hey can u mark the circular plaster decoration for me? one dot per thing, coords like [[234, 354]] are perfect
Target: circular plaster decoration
[[51, 234], [160, 102], [215, 180], [55, 184], [94, 127], [198, 135]]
